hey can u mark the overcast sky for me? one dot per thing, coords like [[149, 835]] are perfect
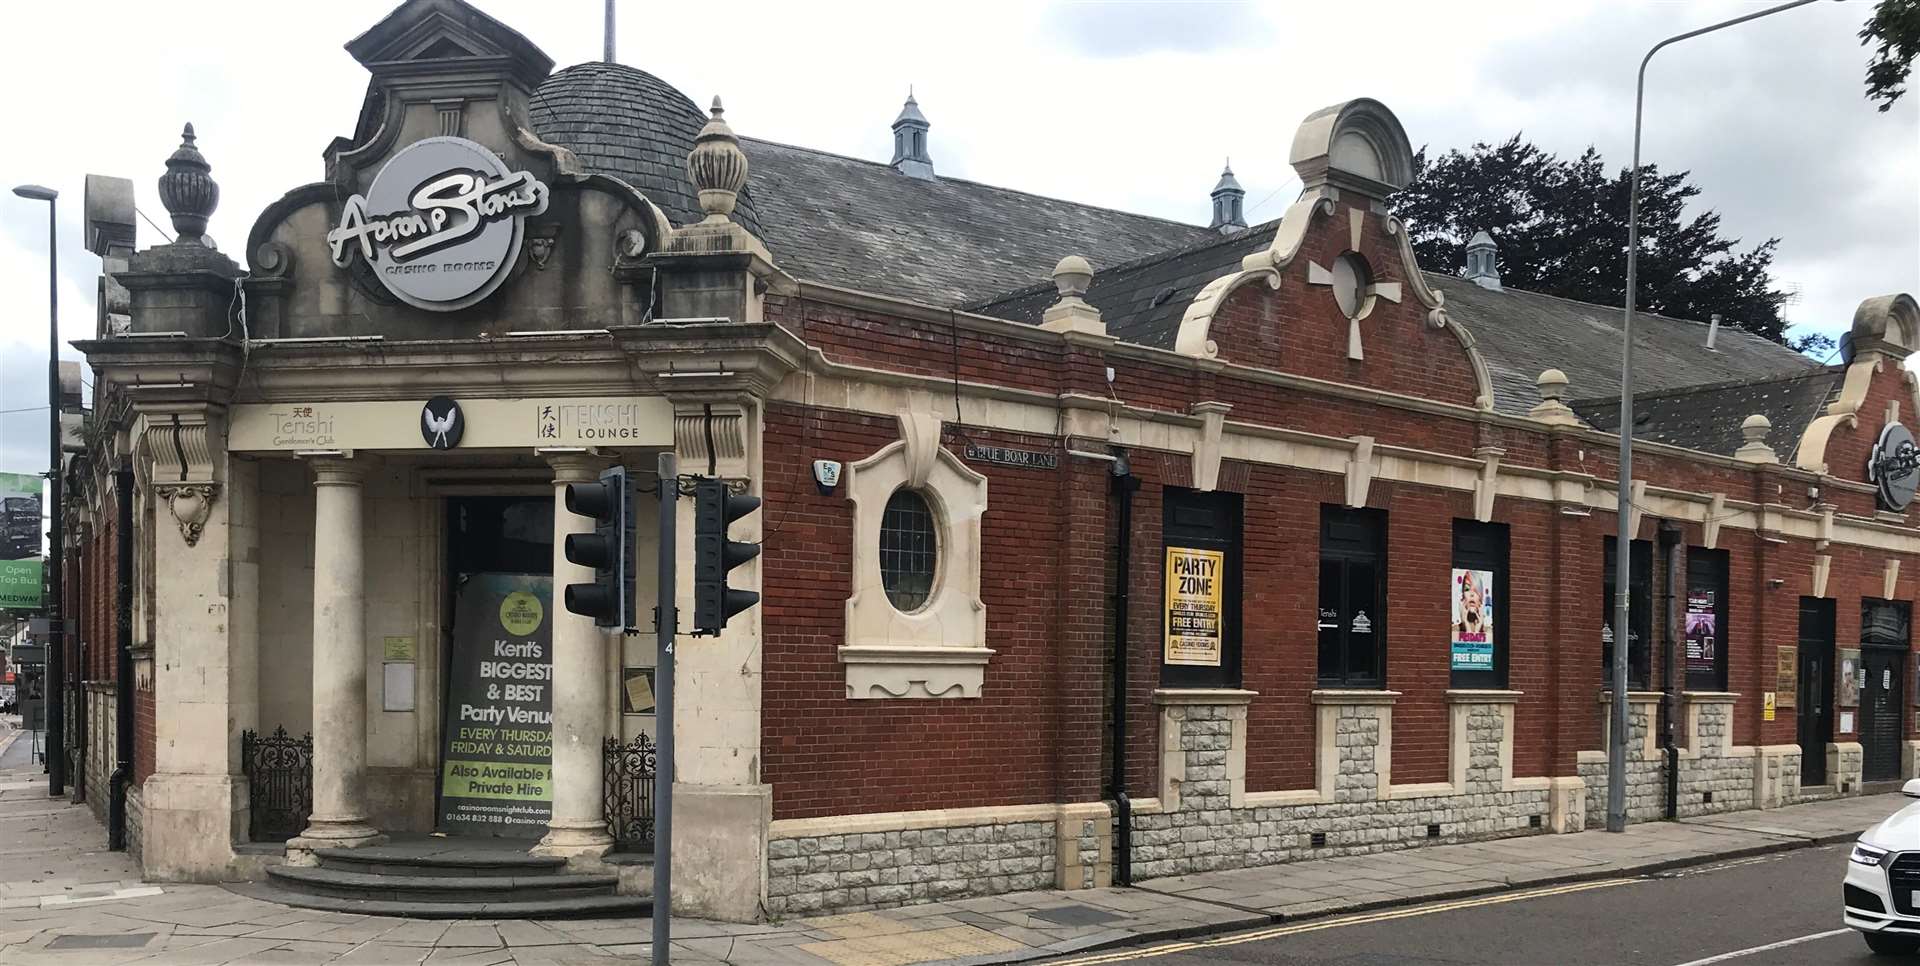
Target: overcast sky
[[1131, 105]]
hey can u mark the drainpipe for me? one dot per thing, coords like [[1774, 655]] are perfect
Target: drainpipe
[[1669, 535], [1124, 486], [80, 560], [123, 659]]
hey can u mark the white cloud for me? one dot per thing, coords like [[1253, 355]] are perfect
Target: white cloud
[[1054, 100]]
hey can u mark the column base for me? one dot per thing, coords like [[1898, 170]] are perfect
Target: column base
[[348, 834], [574, 842]]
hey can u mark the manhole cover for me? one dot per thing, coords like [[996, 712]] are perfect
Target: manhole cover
[[116, 940], [1075, 915]]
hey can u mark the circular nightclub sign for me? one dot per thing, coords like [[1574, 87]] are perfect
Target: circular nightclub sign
[[1894, 467], [441, 224]]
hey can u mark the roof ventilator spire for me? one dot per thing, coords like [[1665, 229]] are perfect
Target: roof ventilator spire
[[188, 190], [1229, 203], [1482, 255], [717, 167], [910, 141]]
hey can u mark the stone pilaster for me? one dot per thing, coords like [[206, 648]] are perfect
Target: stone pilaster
[[198, 509], [721, 808], [1845, 763], [1354, 737], [577, 827], [339, 663]]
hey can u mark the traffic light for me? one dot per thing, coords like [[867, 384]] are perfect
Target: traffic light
[[608, 549], [714, 509]]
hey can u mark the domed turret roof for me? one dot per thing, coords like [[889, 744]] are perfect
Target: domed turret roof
[[631, 125]]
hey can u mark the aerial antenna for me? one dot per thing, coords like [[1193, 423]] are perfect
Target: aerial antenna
[[608, 55]]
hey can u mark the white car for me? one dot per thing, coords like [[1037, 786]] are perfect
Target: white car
[[1882, 890]]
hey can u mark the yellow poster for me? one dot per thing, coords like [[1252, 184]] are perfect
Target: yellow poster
[[1194, 615]]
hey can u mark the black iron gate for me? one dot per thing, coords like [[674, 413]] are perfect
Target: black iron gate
[[279, 770], [628, 780]]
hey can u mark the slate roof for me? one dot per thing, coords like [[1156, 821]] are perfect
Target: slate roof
[[949, 242], [1708, 418], [863, 225], [634, 126]]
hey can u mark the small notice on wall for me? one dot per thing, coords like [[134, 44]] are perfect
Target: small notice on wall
[[1194, 605], [1766, 707], [1846, 722], [1851, 679], [1786, 676], [1473, 609]]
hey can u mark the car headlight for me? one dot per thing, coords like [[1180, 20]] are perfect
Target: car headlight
[[1867, 855]]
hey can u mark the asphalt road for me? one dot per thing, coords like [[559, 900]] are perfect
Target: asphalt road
[[1712, 914]]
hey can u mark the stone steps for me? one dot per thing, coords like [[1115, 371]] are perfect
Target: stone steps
[[441, 878]]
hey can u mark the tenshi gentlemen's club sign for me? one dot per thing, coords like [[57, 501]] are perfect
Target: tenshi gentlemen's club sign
[[442, 223]]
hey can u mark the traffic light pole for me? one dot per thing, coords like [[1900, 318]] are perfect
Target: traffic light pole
[[667, 621]]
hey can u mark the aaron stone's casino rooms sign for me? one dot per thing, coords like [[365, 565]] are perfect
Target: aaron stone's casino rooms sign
[[441, 224]]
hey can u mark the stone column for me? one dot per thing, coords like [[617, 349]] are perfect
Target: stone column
[[578, 827], [339, 662]]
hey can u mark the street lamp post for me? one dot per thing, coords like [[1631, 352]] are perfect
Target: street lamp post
[[57, 653], [1623, 543]]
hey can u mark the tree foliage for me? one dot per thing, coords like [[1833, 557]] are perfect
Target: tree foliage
[[1896, 25], [1561, 227]]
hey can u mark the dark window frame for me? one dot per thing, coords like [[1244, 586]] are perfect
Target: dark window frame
[[1485, 546], [1639, 615], [1206, 520], [1352, 543], [1708, 570]]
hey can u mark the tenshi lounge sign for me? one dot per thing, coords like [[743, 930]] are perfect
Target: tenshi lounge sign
[[441, 224]]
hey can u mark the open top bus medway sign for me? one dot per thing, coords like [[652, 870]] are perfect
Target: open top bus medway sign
[[441, 224]]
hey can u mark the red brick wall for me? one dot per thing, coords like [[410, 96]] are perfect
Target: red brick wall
[[825, 753]]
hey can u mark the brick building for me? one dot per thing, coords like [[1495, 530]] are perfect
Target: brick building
[[1091, 540]]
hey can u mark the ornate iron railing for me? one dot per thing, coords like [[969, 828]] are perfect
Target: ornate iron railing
[[279, 770], [628, 785]]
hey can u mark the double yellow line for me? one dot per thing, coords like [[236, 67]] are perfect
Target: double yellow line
[[1167, 949]]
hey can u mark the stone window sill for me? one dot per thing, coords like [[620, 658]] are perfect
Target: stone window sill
[[1203, 696], [1345, 696], [1482, 696], [881, 671]]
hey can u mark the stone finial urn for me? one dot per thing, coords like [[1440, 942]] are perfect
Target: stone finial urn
[[717, 167], [188, 190]]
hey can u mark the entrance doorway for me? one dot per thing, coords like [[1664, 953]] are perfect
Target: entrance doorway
[[495, 775], [1881, 702], [1814, 699]]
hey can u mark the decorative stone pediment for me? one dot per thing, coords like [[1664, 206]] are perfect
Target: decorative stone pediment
[[421, 31]]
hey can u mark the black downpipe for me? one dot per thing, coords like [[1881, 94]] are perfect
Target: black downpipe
[[123, 660], [1669, 694], [1124, 485], [79, 704]]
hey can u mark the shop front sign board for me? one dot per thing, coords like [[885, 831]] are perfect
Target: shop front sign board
[[523, 424]]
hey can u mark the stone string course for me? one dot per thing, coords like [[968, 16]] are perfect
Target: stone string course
[[875, 870]]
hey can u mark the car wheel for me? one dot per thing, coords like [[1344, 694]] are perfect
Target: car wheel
[[1884, 944]]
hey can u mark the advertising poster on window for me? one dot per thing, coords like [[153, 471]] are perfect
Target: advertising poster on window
[[498, 761], [1473, 610], [20, 530], [1702, 641], [1194, 605]]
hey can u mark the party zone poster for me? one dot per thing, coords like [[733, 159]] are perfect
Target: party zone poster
[[1194, 616], [1473, 610]]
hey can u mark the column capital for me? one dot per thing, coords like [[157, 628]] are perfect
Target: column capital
[[574, 465], [340, 470]]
